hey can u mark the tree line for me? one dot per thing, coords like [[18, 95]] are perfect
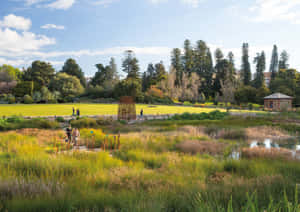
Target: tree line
[[195, 75]]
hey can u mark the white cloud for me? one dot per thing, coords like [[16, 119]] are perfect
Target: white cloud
[[21, 62], [12, 62], [14, 42], [104, 3], [32, 2], [87, 52], [52, 26], [276, 10], [61, 4], [16, 22]]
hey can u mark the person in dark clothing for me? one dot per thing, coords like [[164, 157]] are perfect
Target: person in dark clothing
[[78, 112], [73, 114], [69, 133], [142, 113]]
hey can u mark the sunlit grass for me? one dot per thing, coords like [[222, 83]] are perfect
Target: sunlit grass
[[148, 173], [94, 109]]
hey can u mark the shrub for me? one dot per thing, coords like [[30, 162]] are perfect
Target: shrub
[[186, 103], [14, 119], [84, 123], [60, 119], [215, 115], [28, 99], [11, 99]]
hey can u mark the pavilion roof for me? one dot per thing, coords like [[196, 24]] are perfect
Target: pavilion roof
[[278, 96]]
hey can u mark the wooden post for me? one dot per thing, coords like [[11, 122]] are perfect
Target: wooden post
[[115, 143], [119, 142]]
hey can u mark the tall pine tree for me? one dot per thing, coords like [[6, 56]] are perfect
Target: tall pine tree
[[188, 61], [283, 62], [246, 68], [274, 63], [177, 65], [203, 66], [260, 61], [130, 65]]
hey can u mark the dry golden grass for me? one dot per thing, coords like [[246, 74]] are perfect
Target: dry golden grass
[[201, 147], [266, 132], [272, 153]]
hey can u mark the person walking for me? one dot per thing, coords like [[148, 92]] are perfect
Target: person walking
[[142, 113], [75, 136], [73, 114], [78, 113], [69, 133]]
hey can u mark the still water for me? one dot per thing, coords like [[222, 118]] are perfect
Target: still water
[[292, 145]]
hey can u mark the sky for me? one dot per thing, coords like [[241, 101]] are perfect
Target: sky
[[93, 31]]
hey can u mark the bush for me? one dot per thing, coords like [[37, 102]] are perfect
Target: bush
[[11, 99], [14, 119], [84, 123], [15, 122], [186, 103], [27, 99], [60, 119], [215, 115]]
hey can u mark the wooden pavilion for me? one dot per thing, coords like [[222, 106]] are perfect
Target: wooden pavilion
[[278, 102]]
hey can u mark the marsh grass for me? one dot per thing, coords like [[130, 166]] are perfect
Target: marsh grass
[[272, 153], [148, 173]]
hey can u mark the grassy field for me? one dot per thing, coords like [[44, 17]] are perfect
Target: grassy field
[[92, 109], [182, 169]]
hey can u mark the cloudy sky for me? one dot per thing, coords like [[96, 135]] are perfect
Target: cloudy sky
[[92, 31]]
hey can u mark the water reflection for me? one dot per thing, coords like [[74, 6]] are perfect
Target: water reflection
[[291, 144]]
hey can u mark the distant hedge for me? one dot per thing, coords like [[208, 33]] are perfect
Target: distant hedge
[[214, 115]]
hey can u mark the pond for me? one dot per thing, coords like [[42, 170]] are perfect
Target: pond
[[292, 145]]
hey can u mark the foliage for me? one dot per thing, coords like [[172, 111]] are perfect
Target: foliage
[[16, 122], [11, 99], [68, 86], [260, 61], [27, 99], [246, 67], [214, 115], [24, 88], [129, 87], [72, 68], [245, 94], [40, 72]]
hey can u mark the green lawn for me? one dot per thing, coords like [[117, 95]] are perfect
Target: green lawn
[[91, 109]]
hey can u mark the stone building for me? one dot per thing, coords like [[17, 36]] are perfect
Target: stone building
[[278, 102]]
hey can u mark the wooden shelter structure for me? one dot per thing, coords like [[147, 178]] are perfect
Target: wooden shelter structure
[[127, 108], [278, 102]]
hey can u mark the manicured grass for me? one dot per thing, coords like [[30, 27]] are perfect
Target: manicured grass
[[93, 109]]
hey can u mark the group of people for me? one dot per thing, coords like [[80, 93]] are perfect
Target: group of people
[[76, 112], [73, 135]]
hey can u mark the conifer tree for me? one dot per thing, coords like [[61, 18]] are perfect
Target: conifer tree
[[130, 65], [283, 62], [246, 68], [177, 65], [188, 61], [274, 63], [260, 61]]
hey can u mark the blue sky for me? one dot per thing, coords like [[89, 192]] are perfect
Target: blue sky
[[92, 31]]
